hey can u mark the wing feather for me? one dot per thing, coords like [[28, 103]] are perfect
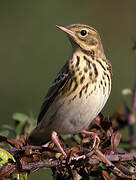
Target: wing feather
[[53, 91]]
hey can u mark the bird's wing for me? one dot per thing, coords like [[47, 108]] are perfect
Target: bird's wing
[[53, 91]]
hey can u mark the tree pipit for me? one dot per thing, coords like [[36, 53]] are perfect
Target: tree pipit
[[79, 91]]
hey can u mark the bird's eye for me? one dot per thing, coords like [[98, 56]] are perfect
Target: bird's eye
[[83, 32]]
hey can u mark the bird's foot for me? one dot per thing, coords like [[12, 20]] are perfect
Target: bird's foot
[[96, 139]]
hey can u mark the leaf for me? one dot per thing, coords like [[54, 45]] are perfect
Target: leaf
[[20, 117], [115, 140], [5, 156], [77, 138], [4, 133], [23, 176], [21, 121], [6, 130]]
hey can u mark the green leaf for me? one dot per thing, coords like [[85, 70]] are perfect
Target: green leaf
[[77, 138], [23, 176], [20, 117], [5, 156], [4, 133], [23, 119], [7, 129]]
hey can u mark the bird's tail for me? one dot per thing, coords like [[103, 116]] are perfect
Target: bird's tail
[[38, 137]]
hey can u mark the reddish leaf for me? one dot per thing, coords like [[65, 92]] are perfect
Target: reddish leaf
[[115, 140], [109, 132]]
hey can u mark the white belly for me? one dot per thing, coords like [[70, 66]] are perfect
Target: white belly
[[74, 116]]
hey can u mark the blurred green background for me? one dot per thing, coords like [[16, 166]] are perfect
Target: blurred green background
[[32, 49]]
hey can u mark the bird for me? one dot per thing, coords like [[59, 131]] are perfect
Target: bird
[[79, 91]]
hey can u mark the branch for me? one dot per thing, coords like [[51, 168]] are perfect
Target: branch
[[38, 165], [48, 164]]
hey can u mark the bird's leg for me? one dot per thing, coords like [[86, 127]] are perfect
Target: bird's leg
[[55, 139], [94, 137]]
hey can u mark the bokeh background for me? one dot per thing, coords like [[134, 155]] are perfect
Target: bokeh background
[[32, 49]]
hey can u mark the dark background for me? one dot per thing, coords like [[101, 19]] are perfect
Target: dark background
[[32, 49]]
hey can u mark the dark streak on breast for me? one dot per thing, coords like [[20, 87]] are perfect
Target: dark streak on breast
[[109, 68], [71, 61], [88, 53], [72, 73], [80, 73], [95, 70], [90, 75], [108, 77], [105, 84], [73, 97], [86, 88], [85, 69], [78, 69], [76, 84], [82, 79], [103, 77], [78, 61], [108, 81], [103, 90], [80, 93], [92, 54], [101, 64]]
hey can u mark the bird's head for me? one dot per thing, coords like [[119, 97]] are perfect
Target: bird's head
[[84, 37]]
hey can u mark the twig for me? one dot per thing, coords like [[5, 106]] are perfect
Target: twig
[[35, 165]]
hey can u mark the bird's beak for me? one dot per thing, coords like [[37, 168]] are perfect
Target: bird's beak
[[64, 29]]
